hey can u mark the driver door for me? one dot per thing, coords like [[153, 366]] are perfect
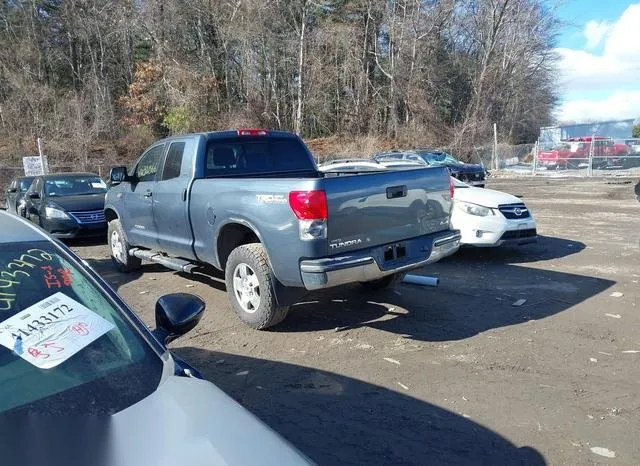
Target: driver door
[[138, 222]]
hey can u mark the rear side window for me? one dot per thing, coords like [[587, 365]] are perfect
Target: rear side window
[[256, 155], [173, 162], [148, 165]]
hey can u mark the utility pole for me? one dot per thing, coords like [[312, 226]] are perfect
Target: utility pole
[[591, 146], [495, 146], [40, 153]]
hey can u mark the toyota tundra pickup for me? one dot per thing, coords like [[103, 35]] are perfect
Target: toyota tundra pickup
[[252, 203]]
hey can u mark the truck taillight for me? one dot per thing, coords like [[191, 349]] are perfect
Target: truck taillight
[[253, 132], [310, 207], [451, 187]]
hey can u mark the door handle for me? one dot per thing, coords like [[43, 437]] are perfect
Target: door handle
[[396, 191], [148, 194]]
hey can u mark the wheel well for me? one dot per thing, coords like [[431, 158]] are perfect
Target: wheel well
[[230, 237], [109, 214]]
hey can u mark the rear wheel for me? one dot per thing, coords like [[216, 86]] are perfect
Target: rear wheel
[[383, 283], [250, 286], [120, 248]]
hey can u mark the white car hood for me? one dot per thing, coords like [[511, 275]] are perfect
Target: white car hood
[[192, 422], [484, 197]]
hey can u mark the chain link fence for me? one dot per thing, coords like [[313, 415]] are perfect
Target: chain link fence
[[580, 157]]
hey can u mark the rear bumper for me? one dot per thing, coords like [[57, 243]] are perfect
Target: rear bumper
[[370, 264]]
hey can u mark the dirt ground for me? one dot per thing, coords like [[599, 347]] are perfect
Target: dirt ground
[[455, 374]]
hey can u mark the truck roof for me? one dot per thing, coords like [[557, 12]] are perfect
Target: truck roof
[[233, 133]]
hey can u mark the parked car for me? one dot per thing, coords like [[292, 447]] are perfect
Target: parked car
[[484, 217], [15, 194], [637, 190], [70, 348], [68, 205], [253, 203], [489, 218], [473, 174]]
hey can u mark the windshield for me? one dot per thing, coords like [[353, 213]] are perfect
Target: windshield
[[438, 158], [562, 146], [24, 184], [64, 345], [74, 186]]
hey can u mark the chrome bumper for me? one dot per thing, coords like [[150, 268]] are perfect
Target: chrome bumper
[[363, 266]]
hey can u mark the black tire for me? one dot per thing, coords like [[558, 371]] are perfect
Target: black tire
[[121, 258], [383, 283], [258, 287]]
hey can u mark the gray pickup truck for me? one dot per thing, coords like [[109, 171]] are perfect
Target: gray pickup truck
[[253, 204]]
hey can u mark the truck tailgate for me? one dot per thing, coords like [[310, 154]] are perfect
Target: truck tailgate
[[372, 209]]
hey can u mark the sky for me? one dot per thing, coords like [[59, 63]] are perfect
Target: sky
[[599, 60]]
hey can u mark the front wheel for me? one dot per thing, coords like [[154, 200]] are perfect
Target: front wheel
[[383, 283], [120, 248], [250, 286]]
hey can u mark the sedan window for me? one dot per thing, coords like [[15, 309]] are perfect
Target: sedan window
[[62, 337], [74, 186]]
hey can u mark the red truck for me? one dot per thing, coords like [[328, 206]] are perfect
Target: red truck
[[574, 153]]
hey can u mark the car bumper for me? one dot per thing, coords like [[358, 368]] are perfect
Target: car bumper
[[68, 229], [494, 231], [374, 263]]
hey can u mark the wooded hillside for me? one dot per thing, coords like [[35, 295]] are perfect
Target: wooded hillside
[[112, 75]]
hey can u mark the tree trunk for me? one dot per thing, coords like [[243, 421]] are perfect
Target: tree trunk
[[299, 116]]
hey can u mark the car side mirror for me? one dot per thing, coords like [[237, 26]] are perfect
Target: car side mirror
[[12, 190], [119, 175], [34, 195], [177, 314]]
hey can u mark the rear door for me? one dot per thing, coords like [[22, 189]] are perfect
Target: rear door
[[138, 199], [368, 210], [170, 203]]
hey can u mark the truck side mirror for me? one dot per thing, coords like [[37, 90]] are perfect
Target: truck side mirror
[[118, 175], [12, 190]]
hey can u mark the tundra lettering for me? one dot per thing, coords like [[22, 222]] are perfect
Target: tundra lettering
[[344, 244]]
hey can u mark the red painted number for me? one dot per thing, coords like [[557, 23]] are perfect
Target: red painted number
[[65, 274], [50, 279]]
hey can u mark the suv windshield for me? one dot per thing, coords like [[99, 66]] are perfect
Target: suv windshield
[[65, 347], [74, 186], [438, 158]]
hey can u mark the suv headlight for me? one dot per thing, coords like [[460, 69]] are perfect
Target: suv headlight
[[52, 212], [474, 209]]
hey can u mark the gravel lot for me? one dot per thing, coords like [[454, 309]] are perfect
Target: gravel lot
[[455, 374]]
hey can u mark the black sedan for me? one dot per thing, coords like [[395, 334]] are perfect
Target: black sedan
[[15, 194], [68, 205], [469, 173]]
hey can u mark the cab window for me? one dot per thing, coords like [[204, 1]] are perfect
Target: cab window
[[173, 162], [148, 164]]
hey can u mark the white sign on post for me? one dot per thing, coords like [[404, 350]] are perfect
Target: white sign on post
[[33, 165]]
